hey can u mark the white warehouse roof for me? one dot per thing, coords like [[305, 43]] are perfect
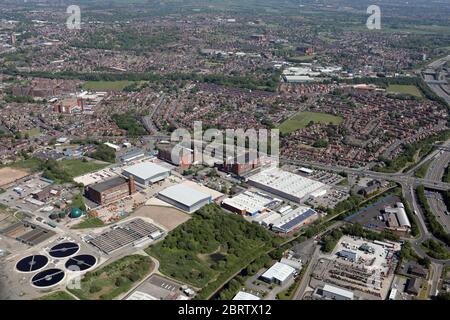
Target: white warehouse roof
[[279, 271], [184, 195], [241, 295], [286, 182], [251, 202], [146, 170], [338, 291]]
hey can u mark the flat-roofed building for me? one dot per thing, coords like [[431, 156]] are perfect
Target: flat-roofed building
[[146, 173], [348, 254], [279, 273], [175, 154], [285, 184], [249, 203], [336, 293], [294, 219], [110, 190], [132, 155], [241, 295], [185, 198]]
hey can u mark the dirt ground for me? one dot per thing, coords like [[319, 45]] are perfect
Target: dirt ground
[[8, 175], [169, 218]]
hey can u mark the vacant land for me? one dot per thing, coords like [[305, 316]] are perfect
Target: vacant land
[[302, 119], [114, 279], [89, 223], [9, 175], [169, 218], [32, 132], [31, 165], [107, 85], [79, 167], [299, 59], [58, 295], [209, 248], [404, 89]]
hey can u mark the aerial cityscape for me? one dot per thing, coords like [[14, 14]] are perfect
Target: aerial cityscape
[[224, 150]]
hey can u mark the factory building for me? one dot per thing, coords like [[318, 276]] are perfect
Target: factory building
[[176, 155], [132, 155], [146, 173], [279, 273], [294, 219], [249, 203], [240, 165], [396, 218], [110, 190], [348, 254], [185, 198], [336, 293], [286, 184]]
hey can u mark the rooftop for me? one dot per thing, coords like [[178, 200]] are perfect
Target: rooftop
[[241, 295], [279, 271], [184, 194], [287, 182], [146, 170], [108, 184], [338, 291]]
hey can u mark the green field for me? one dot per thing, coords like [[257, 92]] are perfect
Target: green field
[[58, 295], [113, 279], [32, 132], [404, 89], [107, 85], [31, 164], [78, 167], [89, 223], [302, 119], [299, 59], [209, 248]]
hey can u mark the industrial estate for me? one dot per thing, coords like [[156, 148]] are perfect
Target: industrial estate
[[101, 200]]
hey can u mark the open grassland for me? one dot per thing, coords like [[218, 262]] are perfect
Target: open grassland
[[58, 295], [404, 89], [302, 119], [78, 167], [107, 85]]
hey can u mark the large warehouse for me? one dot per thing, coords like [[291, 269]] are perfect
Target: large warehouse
[[249, 203], [286, 184], [146, 173], [185, 198], [294, 219], [279, 273], [335, 293]]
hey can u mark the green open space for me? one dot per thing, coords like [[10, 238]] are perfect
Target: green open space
[[89, 223], [302, 119], [58, 295], [32, 132], [77, 167], [209, 248], [113, 279], [299, 59], [404, 89], [107, 85]]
